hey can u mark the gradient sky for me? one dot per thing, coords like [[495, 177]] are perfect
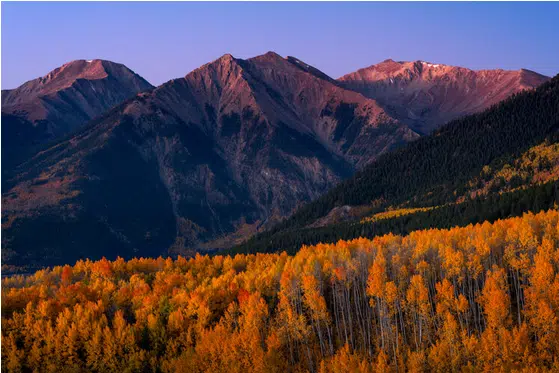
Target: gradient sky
[[161, 41]]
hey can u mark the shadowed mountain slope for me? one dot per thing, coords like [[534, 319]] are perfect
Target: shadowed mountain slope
[[201, 161]]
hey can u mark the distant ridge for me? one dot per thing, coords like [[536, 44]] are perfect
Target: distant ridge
[[426, 95], [199, 163]]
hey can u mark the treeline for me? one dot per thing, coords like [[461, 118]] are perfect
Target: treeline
[[472, 211], [479, 298], [433, 169]]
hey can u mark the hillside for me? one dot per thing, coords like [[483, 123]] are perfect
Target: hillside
[[468, 158], [480, 298]]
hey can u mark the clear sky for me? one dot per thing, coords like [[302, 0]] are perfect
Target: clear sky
[[161, 41]]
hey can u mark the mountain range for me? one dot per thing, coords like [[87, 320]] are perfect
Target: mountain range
[[204, 161]]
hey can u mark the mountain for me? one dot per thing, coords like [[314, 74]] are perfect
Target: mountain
[[199, 162], [426, 95], [498, 163], [47, 108]]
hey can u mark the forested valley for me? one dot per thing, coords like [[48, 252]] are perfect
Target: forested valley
[[480, 297]]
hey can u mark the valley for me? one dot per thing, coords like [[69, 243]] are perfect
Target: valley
[[279, 187]]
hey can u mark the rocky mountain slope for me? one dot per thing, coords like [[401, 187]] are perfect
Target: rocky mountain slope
[[490, 165], [200, 161], [50, 107], [426, 95]]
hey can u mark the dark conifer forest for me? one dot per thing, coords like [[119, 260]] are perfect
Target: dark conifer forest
[[438, 171]]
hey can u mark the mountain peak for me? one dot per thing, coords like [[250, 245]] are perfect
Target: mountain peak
[[391, 69], [78, 69], [227, 57], [268, 58], [218, 68], [426, 95], [225, 61], [272, 54], [531, 79], [430, 64], [64, 76], [72, 94]]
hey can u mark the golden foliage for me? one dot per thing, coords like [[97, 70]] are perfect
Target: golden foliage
[[479, 298]]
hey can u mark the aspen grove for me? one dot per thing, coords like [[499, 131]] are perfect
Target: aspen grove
[[478, 298]]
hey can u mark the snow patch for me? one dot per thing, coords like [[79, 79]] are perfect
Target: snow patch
[[89, 61], [430, 64]]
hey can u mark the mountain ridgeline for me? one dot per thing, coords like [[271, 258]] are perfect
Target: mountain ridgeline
[[118, 168], [437, 171]]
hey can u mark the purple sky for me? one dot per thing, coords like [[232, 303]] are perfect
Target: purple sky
[[161, 41]]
